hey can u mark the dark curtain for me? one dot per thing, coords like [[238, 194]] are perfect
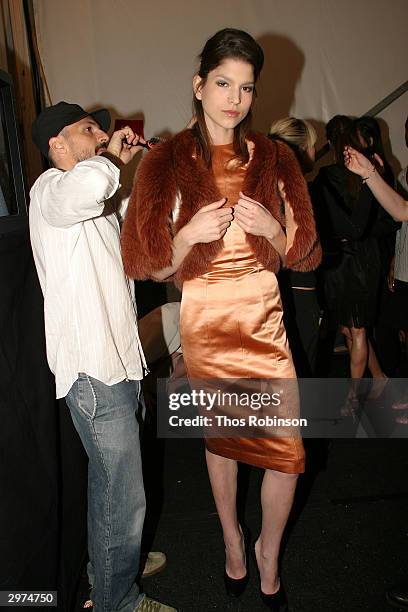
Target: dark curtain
[[43, 466]]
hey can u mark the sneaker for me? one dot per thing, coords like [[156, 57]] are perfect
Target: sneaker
[[151, 605], [155, 562]]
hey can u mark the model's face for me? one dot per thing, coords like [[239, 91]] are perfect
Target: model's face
[[226, 97], [84, 139]]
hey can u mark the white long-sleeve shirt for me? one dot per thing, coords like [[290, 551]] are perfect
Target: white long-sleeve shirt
[[89, 306]]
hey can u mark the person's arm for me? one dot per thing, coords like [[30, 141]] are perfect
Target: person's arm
[[78, 194], [69, 197], [208, 224], [149, 247], [383, 193]]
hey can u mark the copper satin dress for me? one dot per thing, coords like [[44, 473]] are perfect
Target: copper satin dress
[[232, 327]]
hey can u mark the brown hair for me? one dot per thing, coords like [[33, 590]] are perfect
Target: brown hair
[[341, 132], [225, 44]]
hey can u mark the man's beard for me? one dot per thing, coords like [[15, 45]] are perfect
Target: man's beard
[[83, 154]]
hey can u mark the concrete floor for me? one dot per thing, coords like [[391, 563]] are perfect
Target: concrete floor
[[347, 540]]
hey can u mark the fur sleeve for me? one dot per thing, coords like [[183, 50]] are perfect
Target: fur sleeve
[[147, 242], [305, 252]]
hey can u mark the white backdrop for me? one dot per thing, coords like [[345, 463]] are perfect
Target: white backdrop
[[323, 57]]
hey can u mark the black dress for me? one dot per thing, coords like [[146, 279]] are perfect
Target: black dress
[[351, 265]]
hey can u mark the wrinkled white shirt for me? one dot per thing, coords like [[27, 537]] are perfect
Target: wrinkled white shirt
[[89, 305]]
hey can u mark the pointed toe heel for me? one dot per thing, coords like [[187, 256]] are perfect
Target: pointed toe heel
[[234, 587], [277, 602]]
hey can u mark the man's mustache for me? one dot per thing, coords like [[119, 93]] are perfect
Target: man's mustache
[[103, 145]]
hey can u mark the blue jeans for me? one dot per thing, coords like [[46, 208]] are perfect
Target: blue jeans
[[105, 418]]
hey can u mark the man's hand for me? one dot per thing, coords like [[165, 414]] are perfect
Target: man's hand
[[208, 224], [124, 144], [255, 219]]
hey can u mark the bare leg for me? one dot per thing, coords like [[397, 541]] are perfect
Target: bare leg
[[346, 331], [277, 494], [359, 352], [349, 341], [373, 365], [223, 478]]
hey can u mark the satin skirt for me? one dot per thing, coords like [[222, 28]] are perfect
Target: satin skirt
[[232, 328]]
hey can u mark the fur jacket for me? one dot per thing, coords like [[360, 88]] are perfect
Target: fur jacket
[[172, 170]]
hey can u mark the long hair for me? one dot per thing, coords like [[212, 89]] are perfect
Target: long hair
[[299, 135], [225, 44], [341, 132], [370, 131]]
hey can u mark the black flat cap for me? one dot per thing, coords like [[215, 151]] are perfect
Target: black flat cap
[[53, 119]]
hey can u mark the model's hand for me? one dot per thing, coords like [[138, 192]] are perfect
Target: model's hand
[[255, 219], [208, 224], [124, 144], [358, 163]]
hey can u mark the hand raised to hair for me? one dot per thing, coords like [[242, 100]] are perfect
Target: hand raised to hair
[[358, 163], [208, 224], [123, 144]]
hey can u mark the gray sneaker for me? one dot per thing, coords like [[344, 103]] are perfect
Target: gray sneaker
[[151, 605], [155, 562]]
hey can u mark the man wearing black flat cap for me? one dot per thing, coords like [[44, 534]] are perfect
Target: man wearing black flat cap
[[93, 345]]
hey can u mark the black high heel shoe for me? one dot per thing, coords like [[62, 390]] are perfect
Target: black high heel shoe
[[234, 587], [277, 602]]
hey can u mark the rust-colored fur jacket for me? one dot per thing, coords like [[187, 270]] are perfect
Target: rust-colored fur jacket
[[171, 169]]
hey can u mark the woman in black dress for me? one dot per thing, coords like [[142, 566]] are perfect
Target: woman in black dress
[[385, 329], [346, 212]]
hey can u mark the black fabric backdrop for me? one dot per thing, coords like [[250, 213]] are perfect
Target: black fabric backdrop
[[42, 463]]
